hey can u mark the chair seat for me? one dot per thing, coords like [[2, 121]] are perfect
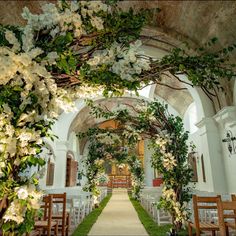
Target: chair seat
[[206, 226], [44, 223], [230, 225]]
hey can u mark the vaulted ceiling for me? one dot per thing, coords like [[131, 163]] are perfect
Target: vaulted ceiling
[[192, 21], [195, 22]]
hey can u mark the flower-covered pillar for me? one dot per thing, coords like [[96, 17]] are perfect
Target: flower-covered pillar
[[148, 170], [60, 167], [212, 153]]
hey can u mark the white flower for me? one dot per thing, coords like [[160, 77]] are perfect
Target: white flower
[[22, 193], [15, 212], [2, 147], [99, 162], [54, 31], [34, 199], [51, 58], [168, 194], [11, 38], [169, 161], [74, 6], [2, 165], [11, 146], [97, 22], [9, 130]]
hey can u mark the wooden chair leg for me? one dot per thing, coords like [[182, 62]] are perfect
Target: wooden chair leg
[[190, 231], [68, 225], [56, 230], [227, 230]]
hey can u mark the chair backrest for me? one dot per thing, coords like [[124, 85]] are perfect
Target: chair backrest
[[227, 210], [230, 207], [47, 206], [60, 200], [204, 203]]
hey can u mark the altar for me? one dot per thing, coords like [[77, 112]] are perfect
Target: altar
[[119, 181]]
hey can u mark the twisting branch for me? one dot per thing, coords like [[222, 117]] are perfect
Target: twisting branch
[[171, 87], [217, 97], [181, 81]]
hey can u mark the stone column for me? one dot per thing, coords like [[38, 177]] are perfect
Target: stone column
[[226, 119], [213, 156], [148, 170], [60, 164]]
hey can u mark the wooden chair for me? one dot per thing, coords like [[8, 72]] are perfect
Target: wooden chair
[[207, 203], [61, 215], [230, 207], [47, 224]]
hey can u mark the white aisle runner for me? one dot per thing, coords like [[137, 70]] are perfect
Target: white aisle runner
[[118, 218]]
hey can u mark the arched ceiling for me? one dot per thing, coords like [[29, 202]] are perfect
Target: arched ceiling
[[192, 21], [178, 99], [85, 120], [195, 22]]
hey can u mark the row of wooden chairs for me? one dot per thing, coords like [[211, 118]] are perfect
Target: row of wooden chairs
[[226, 211], [55, 217]]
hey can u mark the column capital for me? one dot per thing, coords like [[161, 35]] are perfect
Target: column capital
[[207, 124], [226, 116]]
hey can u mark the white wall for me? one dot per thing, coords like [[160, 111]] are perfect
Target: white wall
[[226, 119], [208, 143]]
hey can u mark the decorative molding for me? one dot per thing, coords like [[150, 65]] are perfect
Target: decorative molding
[[207, 124], [226, 117]]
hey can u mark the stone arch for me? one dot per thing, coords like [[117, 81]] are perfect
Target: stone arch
[[49, 146], [82, 119]]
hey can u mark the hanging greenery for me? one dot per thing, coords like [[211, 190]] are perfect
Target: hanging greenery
[[72, 50]]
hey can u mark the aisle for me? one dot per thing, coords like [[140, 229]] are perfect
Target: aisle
[[118, 217]]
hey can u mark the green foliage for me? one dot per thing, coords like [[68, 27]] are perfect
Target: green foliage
[[205, 70], [153, 121], [113, 151], [124, 27], [152, 228]]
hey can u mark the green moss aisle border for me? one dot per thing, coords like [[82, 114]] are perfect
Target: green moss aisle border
[[85, 226], [152, 228]]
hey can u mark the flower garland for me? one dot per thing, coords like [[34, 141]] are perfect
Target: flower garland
[[151, 120], [106, 145]]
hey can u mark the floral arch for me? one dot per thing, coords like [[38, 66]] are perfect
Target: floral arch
[[152, 121], [72, 50]]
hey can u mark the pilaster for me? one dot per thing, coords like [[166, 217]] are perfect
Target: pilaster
[[212, 152]]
